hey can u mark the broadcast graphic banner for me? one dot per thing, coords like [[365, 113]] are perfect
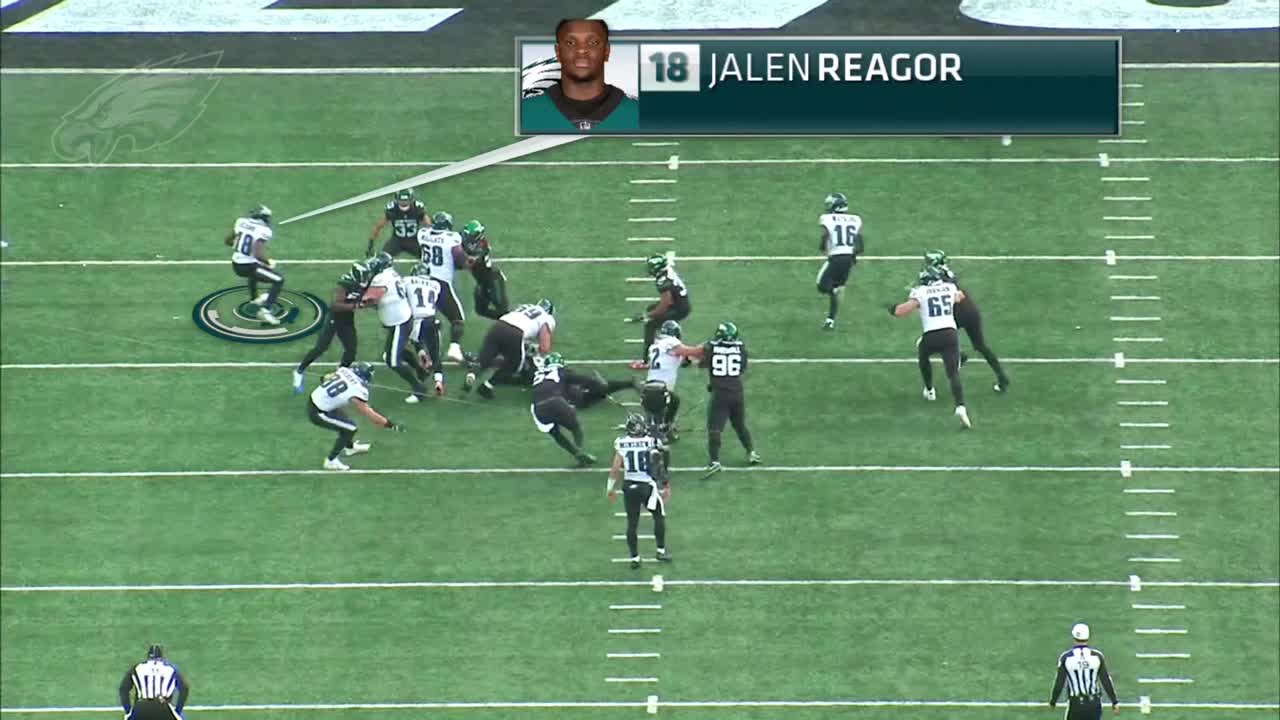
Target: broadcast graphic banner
[[1049, 86]]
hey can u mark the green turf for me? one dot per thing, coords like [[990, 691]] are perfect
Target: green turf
[[849, 398]]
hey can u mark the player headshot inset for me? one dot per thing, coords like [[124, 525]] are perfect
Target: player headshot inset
[[581, 100]]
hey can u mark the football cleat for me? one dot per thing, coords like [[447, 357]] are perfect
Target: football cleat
[[664, 556], [964, 359], [297, 383], [964, 417], [265, 316], [635, 563], [1002, 385], [712, 469], [335, 464], [930, 394], [585, 459], [261, 299], [413, 399], [485, 392], [754, 458], [469, 382], [454, 353], [357, 448], [439, 388], [828, 324]]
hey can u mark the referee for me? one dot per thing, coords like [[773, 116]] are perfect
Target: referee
[[154, 682], [1081, 670]]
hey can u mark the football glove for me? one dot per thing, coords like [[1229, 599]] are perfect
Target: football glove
[[394, 426], [271, 263], [892, 309], [636, 318]]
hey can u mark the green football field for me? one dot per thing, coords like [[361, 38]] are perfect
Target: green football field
[[163, 485]]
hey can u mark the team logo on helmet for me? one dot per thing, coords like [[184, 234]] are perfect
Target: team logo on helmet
[[836, 202], [231, 315]]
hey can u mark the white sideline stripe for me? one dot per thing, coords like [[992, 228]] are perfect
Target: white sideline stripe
[[1143, 403], [653, 181], [1133, 277], [1150, 513], [1145, 447], [1139, 339], [1163, 656], [1150, 491], [1165, 681], [631, 679], [1144, 425], [1140, 606], [1160, 631], [1135, 318], [1155, 560], [493, 70], [100, 167], [635, 607], [1124, 381], [631, 656], [1152, 536], [1127, 297], [634, 631], [697, 468], [489, 584], [760, 361], [280, 707], [692, 258]]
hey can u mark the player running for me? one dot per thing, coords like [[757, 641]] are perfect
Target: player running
[[406, 216], [842, 243], [935, 298], [345, 386], [968, 318], [340, 323], [673, 303], [491, 283], [441, 248], [504, 345], [248, 240]]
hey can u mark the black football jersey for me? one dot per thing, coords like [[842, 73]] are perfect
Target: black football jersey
[[725, 361], [405, 223], [548, 383]]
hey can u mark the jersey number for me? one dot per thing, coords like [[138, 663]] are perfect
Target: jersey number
[[334, 388], [406, 228], [939, 306], [433, 254], [726, 365], [674, 67], [533, 312], [846, 236], [246, 244], [637, 461], [427, 298]]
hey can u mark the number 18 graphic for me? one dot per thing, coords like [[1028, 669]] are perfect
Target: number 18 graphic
[[669, 68]]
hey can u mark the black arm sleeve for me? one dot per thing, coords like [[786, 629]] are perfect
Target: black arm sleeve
[[1057, 685], [859, 244], [125, 686], [183, 690], [1105, 676]]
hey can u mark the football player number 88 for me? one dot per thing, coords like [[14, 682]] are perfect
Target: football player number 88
[[726, 365], [336, 388]]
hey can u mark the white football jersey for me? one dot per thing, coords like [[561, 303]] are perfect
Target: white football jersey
[[530, 319], [338, 389], [664, 364], [423, 293], [843, 230], [634, 452], [937, 301], [437, 247], [393, 306], [247, 233]]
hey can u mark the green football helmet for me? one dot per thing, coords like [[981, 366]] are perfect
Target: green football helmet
[[670, 328], [442, 221], [935, 258], [656, 264], [473, 229], [473, 238], [553, 359], [548, 306], [364, 371], [262, 213], [404, 198], [726, 332], [836, 202]]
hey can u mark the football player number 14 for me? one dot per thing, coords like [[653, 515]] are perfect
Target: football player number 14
[[669, 68]]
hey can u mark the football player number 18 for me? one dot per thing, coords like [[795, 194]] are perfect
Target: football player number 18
[[669, 68]]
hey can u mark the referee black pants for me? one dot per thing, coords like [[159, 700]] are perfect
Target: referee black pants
[[153, 710], [638, 496], [1090, 709]]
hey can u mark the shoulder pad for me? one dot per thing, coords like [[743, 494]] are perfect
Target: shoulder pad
[[391, 205], [417, 205]]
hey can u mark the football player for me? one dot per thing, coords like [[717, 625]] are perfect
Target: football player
[[248, 240], [658, 394], [441, 248], [968, 318], [673, 303], [491, 283], [406, 216], [552, 412], [504, 345], [345, 386], [936, 297], [842, 243], [424, 291], [640, 468], [725, 358], [340, 323], [387, 291]]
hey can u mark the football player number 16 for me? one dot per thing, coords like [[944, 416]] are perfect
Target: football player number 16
[[669, 68]]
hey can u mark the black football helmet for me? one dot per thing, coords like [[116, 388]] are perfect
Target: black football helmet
[[636, 425], [404, 199], [670, 328], [442, 221], [261, 213]]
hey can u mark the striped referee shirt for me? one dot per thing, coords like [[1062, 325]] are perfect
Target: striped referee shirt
[[1081, 670], [156, 680]]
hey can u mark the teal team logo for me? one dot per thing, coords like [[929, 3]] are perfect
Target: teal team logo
[[231, 315]]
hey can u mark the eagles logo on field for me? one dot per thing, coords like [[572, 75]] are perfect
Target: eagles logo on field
[[229, 314]]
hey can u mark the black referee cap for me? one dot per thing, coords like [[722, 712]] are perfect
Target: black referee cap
[[155, 651]]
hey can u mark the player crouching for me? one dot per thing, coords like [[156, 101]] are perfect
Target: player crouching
[[345, 386], [552, 412]]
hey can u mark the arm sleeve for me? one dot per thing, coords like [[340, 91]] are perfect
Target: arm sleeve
[[125, 686], [183, 690], [1057, 684], [744, 357], [1105, 676]]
